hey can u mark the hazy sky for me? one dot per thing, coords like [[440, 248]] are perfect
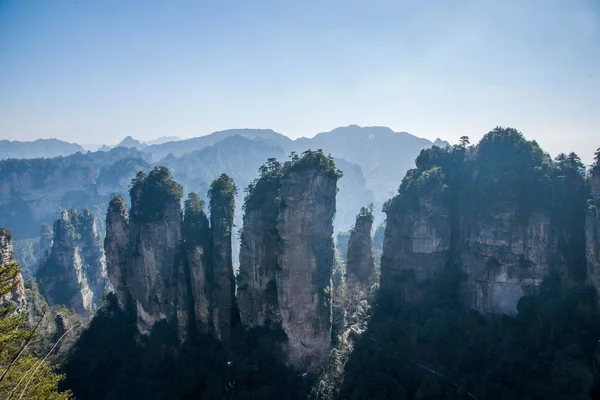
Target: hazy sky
[[94, 71]]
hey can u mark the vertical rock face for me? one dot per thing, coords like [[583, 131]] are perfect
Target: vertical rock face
[[197, 259], [415, 246], [360, 265], [17, 295], [116, 245], [287, 256], [222, 205], [306, 258], [505, 259], [592, 233], [169, 265], [153, 271], [259, 250], [46, 239], [74, 273]]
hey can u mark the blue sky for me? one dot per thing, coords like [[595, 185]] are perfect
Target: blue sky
[[94, 71]]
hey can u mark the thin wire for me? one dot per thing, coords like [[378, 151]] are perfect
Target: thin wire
[[39, 364], [23, 347]]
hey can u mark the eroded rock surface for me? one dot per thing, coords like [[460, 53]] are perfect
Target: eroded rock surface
[[74, 273]]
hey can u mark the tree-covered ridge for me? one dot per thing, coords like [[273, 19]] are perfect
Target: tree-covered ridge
[[503, 169], [272, 170], [152, 193]]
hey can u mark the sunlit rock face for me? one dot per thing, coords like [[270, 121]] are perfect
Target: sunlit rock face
[[17, 295], [74, 273], [287, 258], [305, 226]]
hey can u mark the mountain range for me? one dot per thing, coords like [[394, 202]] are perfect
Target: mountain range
[[34, 191]]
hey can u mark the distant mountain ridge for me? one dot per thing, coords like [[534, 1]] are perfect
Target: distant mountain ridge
[[41, 148]]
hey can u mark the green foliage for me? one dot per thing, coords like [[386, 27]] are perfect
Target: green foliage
[[27, 376], [151, 193], [313, 159], [366, 212], [267, 182], [596, 164], [159, 367], [116, 203], [196, 229], [222, 194], [437, 349]]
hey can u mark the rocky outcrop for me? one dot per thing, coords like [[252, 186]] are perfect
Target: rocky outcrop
[[360, 264], [592, 233], [505, 259], [197, 261], [222, 205], [502, 257], [287, 256], [159, 259], [17, 295], [46, 240], [116, 246], [74, 274], [259, 251], [415, 246], [153, 274], [305, 226]]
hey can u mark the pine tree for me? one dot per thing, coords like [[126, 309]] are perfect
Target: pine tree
[[23, 375]]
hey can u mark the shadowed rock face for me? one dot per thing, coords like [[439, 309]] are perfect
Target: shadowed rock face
[[592, 234], [74, 274], [164, 265], [259, 250], [154, 263], [116, 246], [503, 258], [360, 265], [415, 247], [17, 295], [222, 205]]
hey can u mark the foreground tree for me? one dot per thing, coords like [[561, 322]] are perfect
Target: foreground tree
[[23, 375]]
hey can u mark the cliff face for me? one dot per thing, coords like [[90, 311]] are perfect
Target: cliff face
[[197, 261], [159, 259], [505, 259], [17, 295], [222, 204], [592, 233], [416, 245], [499, 228], [259, 249], [306, 258], [116, 246], [74, 274], [287, 256], [360, 265], [502, 257], [154, 263]]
